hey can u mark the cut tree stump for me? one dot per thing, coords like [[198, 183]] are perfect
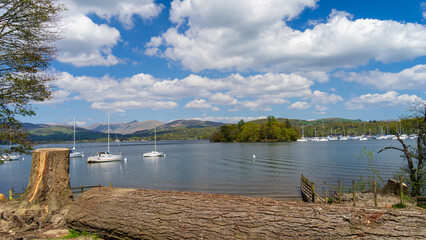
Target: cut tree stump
[[49, 183], [44, 202], [117, 213]]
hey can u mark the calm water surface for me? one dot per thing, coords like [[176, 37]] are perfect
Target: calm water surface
[[228, 168]]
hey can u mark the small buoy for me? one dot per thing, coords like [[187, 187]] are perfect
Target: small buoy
[[254, 156], [164, 154], [125, 159], [23, 159]]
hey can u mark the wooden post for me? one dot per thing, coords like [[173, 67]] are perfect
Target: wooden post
[[110, 184], [402, 190], [375, 194], [313, 192], [82, 188], [11, 194], [353, 190], [340, 192], [325, 192]]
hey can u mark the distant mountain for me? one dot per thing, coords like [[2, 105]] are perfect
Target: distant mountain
[[31, 126], [125, 128], [190, 124], [58, 133]]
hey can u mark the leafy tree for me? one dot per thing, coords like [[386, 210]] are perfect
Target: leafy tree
[[415, 155], [27, 35]]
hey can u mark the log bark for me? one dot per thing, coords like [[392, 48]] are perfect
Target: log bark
[[116, 213]]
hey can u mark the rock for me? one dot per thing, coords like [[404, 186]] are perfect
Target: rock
[[392, 187], [2, 197], [56, 233]]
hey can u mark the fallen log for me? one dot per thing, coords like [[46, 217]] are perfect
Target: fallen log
[[119, 213]]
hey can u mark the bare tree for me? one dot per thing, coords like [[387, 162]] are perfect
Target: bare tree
[[414, 155]]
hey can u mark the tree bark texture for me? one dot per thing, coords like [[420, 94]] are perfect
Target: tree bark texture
[[49, 183], [116, 213]]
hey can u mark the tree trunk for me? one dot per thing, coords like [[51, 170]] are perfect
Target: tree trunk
[[49, 183], [147, 214]]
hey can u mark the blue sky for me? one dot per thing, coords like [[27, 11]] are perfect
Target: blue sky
[[226, 60]]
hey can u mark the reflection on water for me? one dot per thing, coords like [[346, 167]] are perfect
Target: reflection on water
[[221, 167]]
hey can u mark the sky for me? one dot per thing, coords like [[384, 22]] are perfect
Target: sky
[[227, 60]]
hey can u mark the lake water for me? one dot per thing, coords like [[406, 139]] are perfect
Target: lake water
[[229, 168]]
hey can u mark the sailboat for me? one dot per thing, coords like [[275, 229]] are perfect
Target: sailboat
[[105, 156], [73, 153], [10, 156], [154, 153], [302, 139]]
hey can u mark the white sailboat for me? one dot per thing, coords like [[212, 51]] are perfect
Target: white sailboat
[[105, 156], [154, 153], [10, 156], [302, 139], [73, 153]]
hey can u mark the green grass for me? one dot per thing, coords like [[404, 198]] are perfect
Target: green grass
[[399, 205], [75, 234], [421, 205]]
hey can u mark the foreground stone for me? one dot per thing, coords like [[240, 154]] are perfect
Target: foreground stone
[[147, 214]]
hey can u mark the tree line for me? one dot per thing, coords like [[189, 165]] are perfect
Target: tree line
[[270, 130]]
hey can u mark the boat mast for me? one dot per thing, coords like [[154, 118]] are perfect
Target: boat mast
[[155, 139], [108, 132], [74, 134]]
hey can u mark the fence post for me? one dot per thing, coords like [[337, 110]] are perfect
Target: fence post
[[82, 188], [353, 190], [110, 184], [375, 194], [325, 192], [340, 192], [402, 190], [11, 194], [313, 192]]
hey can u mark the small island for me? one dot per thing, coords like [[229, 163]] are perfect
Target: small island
[[270, 130]]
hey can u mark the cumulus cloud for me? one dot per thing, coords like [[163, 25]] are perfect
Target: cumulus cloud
[[228, 119], [256, 92], [299, 105], [376, 100], [86, 43], [410, 78], [324, 98], [253, 35], [198, 104]]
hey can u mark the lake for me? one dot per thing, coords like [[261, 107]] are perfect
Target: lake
[[228, 168]]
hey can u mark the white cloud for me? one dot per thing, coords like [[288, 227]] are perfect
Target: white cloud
[[198, 104], [257, 92], [299, 105], [228, 119], [223, 99], [86, 43], [324, 98], [321, 108], [423, 9], [410, 78], [123, 10], [253, 35], [376, 100]]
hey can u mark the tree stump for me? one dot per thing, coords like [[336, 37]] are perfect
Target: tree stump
[[49, 183], [392, 187], [45, 200], [117, 213]]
